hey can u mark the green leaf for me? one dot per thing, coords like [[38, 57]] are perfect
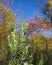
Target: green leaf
[[41, 60]]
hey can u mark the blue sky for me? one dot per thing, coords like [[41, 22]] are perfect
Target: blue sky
[[26, 8]]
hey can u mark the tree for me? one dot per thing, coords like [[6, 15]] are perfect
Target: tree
[[48, 10], [7, 3], [7, 22], [39, 40], [36, 27]]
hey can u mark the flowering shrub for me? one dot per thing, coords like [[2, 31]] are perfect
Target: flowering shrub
[[19, 52]]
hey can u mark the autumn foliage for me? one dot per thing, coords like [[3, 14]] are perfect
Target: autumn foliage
[[28, 46], [7, 22], [33, 26]]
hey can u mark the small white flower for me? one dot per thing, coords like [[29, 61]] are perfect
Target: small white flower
[[14, 40]]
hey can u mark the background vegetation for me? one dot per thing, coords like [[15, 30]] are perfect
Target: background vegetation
[[30, 47]]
